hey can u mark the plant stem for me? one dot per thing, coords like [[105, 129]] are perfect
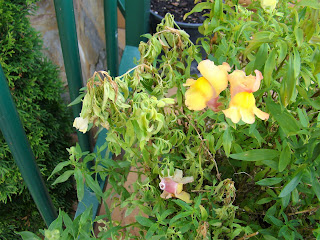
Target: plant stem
[[205, 147]]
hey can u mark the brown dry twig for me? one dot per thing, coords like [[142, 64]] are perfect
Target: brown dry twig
[[305, 211], [249, 236]]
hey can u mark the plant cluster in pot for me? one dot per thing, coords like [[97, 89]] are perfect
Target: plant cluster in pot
[[234, 153]]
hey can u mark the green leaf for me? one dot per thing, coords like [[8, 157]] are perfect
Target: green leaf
[[218, 9], [93, 184], [292, 184], [206, 46], [28, 236], [269, 237], [77, 100], [269, 181], [299, 36], [64, 177], [296, 63], [204, 213], [285, 157], [275, 221], [182, 204], [261, 57], [80, 184], [269, 68], [303, 117], [304, 94], [57, 223], [288, 83], [315, 60], [295, 196], [285, 201], [316, 187], [165, 214], [180, 215], [198, 8], [86, 216], [144, 221], [256, 155], [152, 230], [258, 39], [286, 121], [59, 167], [227, 141], [264, 200], [283, 50], [235, 233], [68, 223]]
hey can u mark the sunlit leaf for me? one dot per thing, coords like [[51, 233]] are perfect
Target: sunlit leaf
[[256, 155]]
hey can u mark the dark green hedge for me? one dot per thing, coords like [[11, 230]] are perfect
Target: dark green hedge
[[36, 88]]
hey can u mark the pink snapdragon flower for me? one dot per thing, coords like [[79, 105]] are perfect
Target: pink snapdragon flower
[[172, 186]]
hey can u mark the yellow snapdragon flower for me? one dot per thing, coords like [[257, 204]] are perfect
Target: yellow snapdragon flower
[[205, 90], [243, 106]]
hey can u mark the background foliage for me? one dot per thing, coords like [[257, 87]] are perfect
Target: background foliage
[[36, 88]]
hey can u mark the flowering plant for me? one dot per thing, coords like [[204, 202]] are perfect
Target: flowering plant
[[246, 177]]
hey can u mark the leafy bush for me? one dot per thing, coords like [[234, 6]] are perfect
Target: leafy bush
[[210, 174], [36, 89]]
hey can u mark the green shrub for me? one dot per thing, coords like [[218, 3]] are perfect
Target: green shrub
[[36, 90]]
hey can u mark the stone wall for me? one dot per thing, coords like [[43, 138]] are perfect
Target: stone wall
[[90, 30]]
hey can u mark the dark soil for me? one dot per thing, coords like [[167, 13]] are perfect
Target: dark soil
[[178, 8]]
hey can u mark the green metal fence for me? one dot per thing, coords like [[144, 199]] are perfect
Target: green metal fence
[[137, 16]]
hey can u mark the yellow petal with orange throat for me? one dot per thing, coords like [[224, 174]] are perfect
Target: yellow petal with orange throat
[[216, 75], [243, 106], [199, 93]]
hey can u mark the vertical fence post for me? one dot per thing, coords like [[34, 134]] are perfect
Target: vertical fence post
[[137, 14], [111, 33], [69, 44], [13, 132]]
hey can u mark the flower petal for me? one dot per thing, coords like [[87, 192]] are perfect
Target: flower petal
[[198, 94], [232, 113], [189, 82], [247, 115], [177, 177], [184, 196], [260, 114], [81, 124], [187, 180], [168, 185], [166, 195], [213, 104], [239, 82], [257, 82], [216, 75]]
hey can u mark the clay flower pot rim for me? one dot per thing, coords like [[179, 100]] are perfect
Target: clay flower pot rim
[[181, 24]]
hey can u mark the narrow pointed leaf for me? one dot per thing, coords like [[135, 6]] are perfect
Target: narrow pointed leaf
[[291, 185]]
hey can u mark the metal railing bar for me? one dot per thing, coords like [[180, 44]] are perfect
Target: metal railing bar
[[70, 50], [15, 136], [111, 34]]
